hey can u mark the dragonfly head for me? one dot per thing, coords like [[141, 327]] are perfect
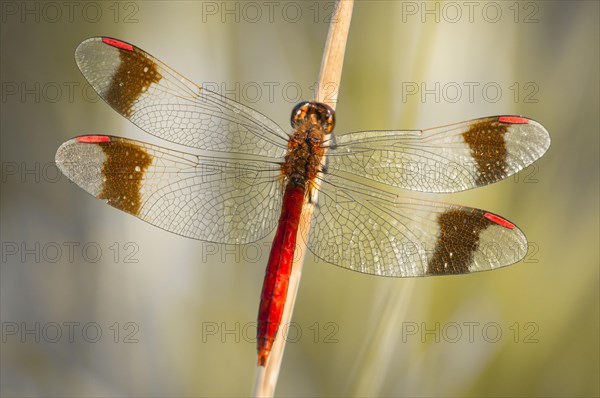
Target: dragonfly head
[[315, 113]]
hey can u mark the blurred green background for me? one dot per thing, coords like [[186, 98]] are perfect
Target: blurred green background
[[176, 315]]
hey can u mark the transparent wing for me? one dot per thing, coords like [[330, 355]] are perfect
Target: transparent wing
[[367, 230], [445, 159], [167, 105], [199, 197]]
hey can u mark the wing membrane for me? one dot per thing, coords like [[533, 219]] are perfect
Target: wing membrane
[[167, 105], [374, 232], [199, 197], [444, 159]]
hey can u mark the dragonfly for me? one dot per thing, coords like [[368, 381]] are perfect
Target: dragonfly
[[251, 177]]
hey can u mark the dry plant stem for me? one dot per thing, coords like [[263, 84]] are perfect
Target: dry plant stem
[[327, 91]]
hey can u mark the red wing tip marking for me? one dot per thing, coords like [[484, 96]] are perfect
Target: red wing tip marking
[[117, 43], [513, 119], [93, 139], [499, 220]]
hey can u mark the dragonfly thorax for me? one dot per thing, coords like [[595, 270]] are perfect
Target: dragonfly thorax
[[311, 122]]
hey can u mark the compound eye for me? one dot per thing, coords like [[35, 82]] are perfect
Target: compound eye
[[327, 118], [315, 113], [299, 113]]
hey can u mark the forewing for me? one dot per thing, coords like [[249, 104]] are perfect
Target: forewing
[[444, 159], [167, 105], [374, 232], [199, 197]]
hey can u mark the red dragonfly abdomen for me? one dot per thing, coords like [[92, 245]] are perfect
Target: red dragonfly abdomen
[[279, 268]]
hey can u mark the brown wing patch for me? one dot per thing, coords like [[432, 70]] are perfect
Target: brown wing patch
[[488, 148], [457, 241], [133, 77], [123, 172]]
